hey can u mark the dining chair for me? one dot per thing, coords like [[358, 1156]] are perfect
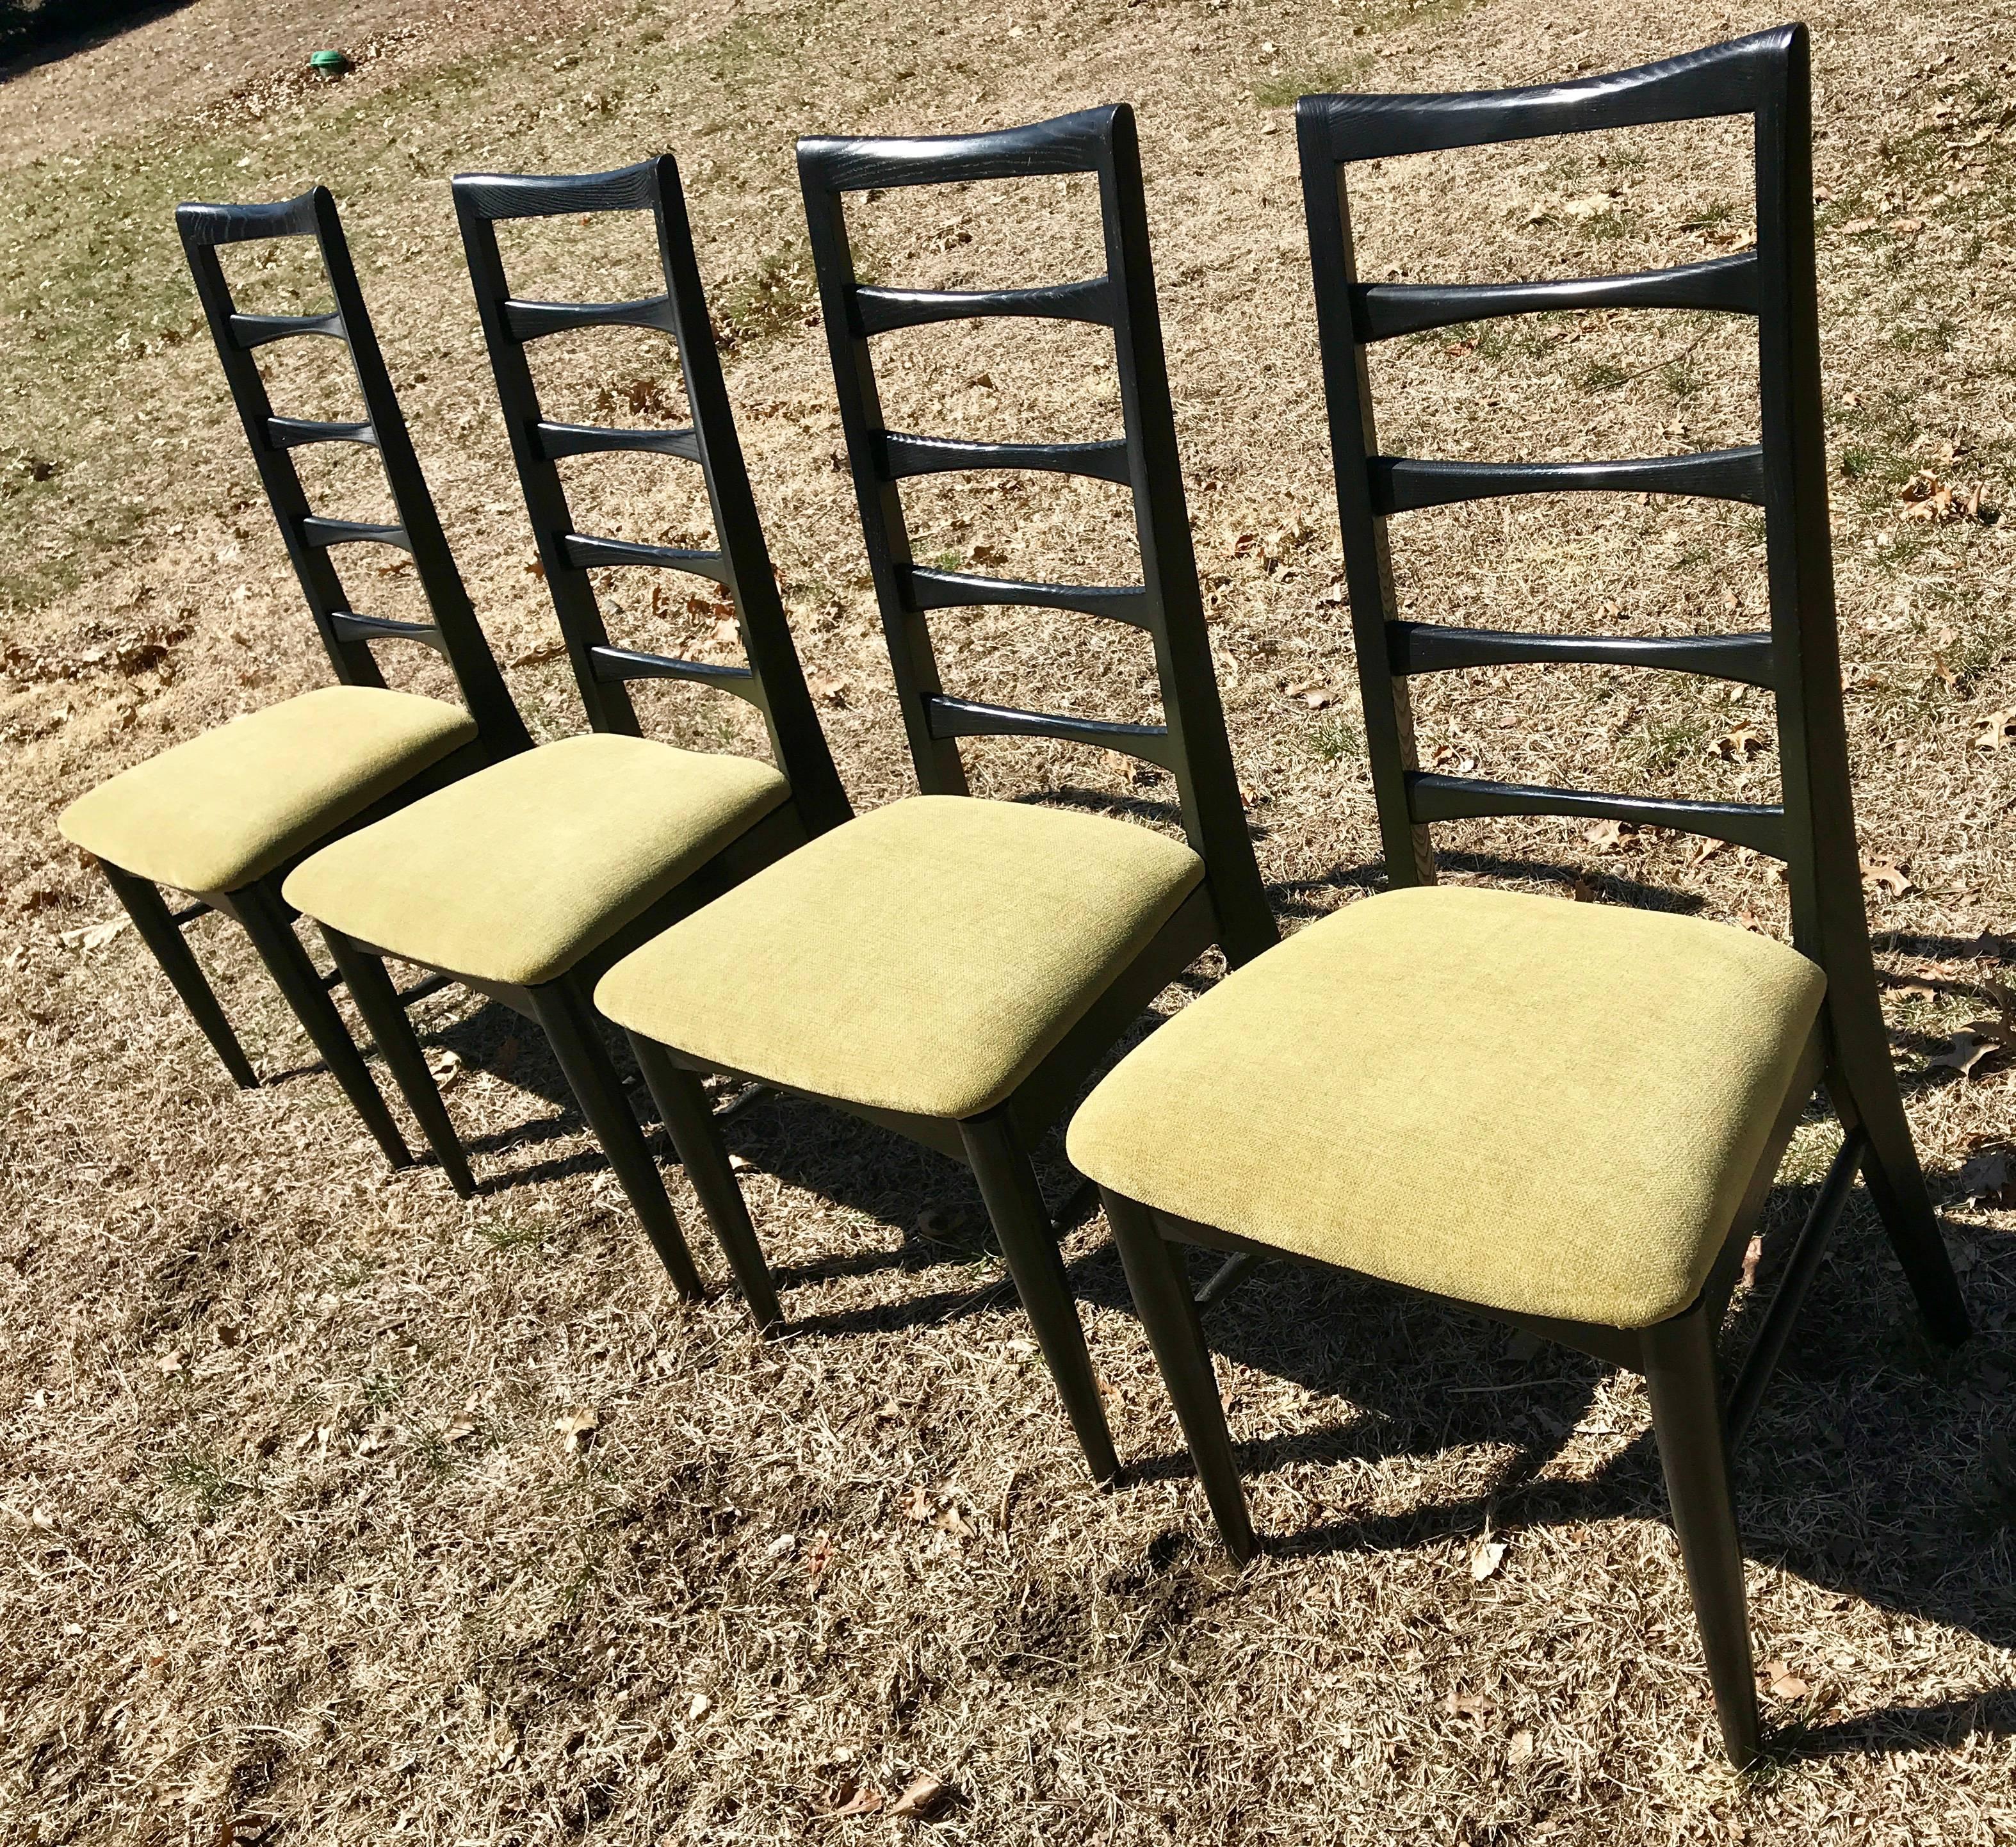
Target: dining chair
[[223, 817], [950, 967], [1564, 1116], [524, 882]]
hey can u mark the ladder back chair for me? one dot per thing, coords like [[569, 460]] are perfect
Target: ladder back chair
[[223, 817], [1436, 1088], [952, 967], [524, 884]]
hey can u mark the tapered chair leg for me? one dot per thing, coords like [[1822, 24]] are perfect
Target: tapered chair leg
[[273, 936], [571, 1023], [1015, 1203], [682, 1101], [1864, 1089], [1687, 1419], [377, 1000], [160, 933], [1169, 1313]]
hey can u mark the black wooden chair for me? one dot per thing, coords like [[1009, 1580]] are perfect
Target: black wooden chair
[[1567, 1116], [224, 817], [524, 883], [952, 967]]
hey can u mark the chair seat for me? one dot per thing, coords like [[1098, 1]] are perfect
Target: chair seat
[[227, 808], [922, 958], [513, 874], [1539, 1106]]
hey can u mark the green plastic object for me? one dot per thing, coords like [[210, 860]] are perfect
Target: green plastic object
[[330, 64]]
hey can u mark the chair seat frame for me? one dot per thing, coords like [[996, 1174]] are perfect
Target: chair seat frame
[[1228, 908], [1764, 77], [772, 681], [348, 637]]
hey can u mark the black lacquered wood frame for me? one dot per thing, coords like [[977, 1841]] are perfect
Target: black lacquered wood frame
[[1766, 78], [348, 635], [772, 681], [1229, 908]]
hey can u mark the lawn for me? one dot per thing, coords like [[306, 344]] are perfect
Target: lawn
[[333, 1508]]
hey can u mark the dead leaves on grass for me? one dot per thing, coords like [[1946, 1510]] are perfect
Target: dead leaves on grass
[[1886, 877], [578, 1429], [1929, 500], [1980, 1040]]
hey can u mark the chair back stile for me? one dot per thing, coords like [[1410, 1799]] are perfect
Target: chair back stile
[[1191, 743], [772, 681], [347, 634]]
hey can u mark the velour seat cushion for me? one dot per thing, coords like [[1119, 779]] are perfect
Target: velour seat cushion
[[228, 807], [923, 957], [513, 874], [1539, 1107]]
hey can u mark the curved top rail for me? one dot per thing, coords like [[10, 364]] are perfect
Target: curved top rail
[[554, 195], [203, 226], [1731, 79], [1066, 144]]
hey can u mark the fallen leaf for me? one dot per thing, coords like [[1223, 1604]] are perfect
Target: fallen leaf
[[1994, 729], [460, 1430], [820, 1556], [865, 1801], [1485, 1557], [1704, 849], [1479, 1706], [829, 692], [950, 1520], [93, 936], [923, 1799], [1856, 226], [915, 1505], [726, 633], [577, 1429], [445, 1066], [1985, 1177], [1907, 227], [1611, 837], [1316, 698], [504, 1741], [1964, 1052], [536, 568], [1519, 1746], [553, 651], [1739, 746], [1753, 1254], [782, 1547], [1885, 876], [1777, 1679]]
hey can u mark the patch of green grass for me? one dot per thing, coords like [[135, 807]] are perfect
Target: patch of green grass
[[1601, 375], [197, 1477], [510, 1234], [1681, 377], [778, 296], [1283, 91], [1334, 737], [1662, 745], [382, 1389]]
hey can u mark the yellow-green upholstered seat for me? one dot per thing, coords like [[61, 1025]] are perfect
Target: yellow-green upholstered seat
[[921, 957], [226, 808], [1539, 1106], [513, 874]]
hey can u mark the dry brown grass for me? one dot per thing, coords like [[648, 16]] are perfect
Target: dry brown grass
[[293, 1550]]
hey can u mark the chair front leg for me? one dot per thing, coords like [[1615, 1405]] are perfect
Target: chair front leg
[[1021, 1222], [1175, 1331], [160, 933], [572, 1025], [377, 1000], [272, 933], [682, 1101], [1687, 1420]]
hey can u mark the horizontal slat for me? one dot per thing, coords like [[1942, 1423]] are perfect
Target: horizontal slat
[[293, 433], [559, 440], [188, 914], [427, 984], [1069, 144], [906, 456], [1768, 1346], [881, 310], [1380, 311], [318, 532], [203, 224], [627, 664], [1731, 79], [1432, 647], [952, 589], [585, 552], [1401, 484], [968, 718], [555, 195], [530, 320], [248, 331], [1432, 797], [350, 626]]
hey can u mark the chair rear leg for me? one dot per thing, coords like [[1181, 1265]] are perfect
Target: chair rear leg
[[1015, 1203], [377, 1000], [1687, 1420], [682, 1101], [571, 1023], [273, 936], [1175, 1331], [1863, 1088], [160, 933]]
